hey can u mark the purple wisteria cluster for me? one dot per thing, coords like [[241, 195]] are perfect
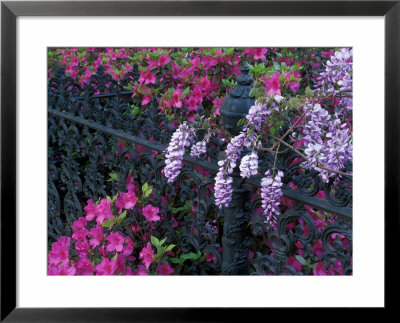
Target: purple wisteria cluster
[[271, 193], [182, 137], [338, 77], [327, 141], [249, 165], [200, 147], [256, 117]]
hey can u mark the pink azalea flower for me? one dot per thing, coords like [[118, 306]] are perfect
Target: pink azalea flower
[[294, 86], [273, 84], [97, 235], [165, 269], [116, 242], [204, 83], [318, 248], [259, 53], [193, 104], [84, 267], [297, 265], [146, 99], [147, 77], [319, 269], [91, 210], [126, 200], [80, 235], [106, 267], [129, 182], [104, 211], [121, 263], [147, 255], [82, 246], [63, 270], [176, 101], [142, 271], [128, 248], [59, 252], [79, 224], [176, 73], [150, 213], [210, 257], [163, 60]]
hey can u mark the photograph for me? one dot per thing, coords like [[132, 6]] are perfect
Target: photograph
[[200, 161]]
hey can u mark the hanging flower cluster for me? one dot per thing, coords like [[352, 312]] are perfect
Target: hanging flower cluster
[[271, 194], [181, 138], [327, 142]]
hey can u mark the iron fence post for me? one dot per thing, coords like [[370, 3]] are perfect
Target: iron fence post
[[236, 238]]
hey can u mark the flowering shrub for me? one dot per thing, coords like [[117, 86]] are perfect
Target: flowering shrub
[[303, 103]]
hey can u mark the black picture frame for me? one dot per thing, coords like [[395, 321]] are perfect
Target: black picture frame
[[10, 10]]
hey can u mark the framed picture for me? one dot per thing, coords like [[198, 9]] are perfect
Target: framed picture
[[33, 31]]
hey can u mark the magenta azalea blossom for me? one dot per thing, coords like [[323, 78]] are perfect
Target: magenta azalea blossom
[[150, 213], [273, 84], [97, 235], [104, 211], [165, 269], [147, 78], [259, 53], [147, 255], [163, 60], [142, 271], [126, 200], [116, 242], [84, 267], [79, 224], [91, 210], [59, 251], [80, 235], [61, 270], [106, 267]]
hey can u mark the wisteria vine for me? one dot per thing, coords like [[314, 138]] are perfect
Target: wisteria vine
[[326, 138]]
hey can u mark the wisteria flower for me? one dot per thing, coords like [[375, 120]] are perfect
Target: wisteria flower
[[271, 194]]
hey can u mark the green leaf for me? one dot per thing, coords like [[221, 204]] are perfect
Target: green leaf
[[121, 216], [186, 207], [170, 247], [175, 260], [115, 256], [162, 241], [272, 131], [295, 102], [301, 259], [186, 92], [145, 187], [277, 66], [113, 177], [108, 223], [155, 242], [189, 256], [308, 91]]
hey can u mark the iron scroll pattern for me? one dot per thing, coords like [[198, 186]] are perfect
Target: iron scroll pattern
[[92, 133]]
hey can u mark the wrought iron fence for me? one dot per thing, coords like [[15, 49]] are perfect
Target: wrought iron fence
[[85, 128]]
